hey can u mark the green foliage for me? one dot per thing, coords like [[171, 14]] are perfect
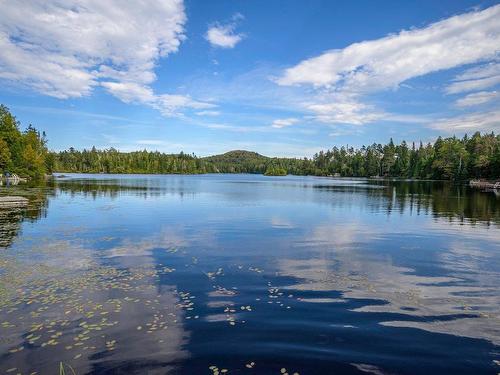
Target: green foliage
[[113, 161], [450, 159], [26, 154], [273, 170], [5, 157], [238, 161], [23, 153]]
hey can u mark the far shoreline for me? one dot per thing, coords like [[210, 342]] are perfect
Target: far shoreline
[[69, 174]]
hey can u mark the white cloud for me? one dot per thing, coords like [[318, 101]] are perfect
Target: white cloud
[[344, 132], [168, 105], [130, 92], [484, 121], [482, 71], [150, 142], [281, 123], [67, 48], [476, 98], [386, 62], [346, 109], [63, 48], [224, 35], [371, 66], [208, 113], [44, 71], [477, 78]]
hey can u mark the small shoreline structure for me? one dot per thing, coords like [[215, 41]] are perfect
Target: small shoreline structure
[[13, 202], [11, 179], [484, 185]]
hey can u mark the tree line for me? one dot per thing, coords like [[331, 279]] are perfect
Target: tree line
[[154, 162], [24, 152], [478, 156], [114, 161], [451, 158]]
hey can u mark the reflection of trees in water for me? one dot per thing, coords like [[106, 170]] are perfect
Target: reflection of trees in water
[[443, 199], [38, 196], [437, 198], [12, 217], [114, 188]]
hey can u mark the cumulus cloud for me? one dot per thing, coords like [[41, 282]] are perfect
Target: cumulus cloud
[[284, 122], [385, 63], [67, 48], [476, 98], [130, 92], [224, 35]]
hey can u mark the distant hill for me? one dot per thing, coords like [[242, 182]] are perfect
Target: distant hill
[[238, 161], [236, 156]]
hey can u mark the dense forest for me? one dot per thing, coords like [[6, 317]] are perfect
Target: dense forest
[[240, 161], [448, 158], [25, 152]]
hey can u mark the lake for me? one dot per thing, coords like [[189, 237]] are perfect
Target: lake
[[247, 274]]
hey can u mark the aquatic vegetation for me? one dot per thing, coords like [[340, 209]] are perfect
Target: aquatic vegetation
[[62, 369], [170, 296], [58, 306], [65, 307]]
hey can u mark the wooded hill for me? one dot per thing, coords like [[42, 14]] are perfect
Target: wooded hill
[[241, 161]]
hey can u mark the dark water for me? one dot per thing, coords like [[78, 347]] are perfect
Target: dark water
[[249, 274]]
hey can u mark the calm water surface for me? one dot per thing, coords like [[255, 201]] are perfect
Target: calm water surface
[[137, 274]]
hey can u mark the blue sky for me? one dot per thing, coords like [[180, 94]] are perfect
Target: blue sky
[[283, 78]]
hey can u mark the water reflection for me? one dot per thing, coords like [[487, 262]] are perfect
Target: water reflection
[[96, 316], [182, 274], [365, 263], [442, 199], [12, 217]]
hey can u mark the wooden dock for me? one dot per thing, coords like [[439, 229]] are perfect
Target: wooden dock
[[13, 202]]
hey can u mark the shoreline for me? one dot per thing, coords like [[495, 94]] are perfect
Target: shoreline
[[63, 175]]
